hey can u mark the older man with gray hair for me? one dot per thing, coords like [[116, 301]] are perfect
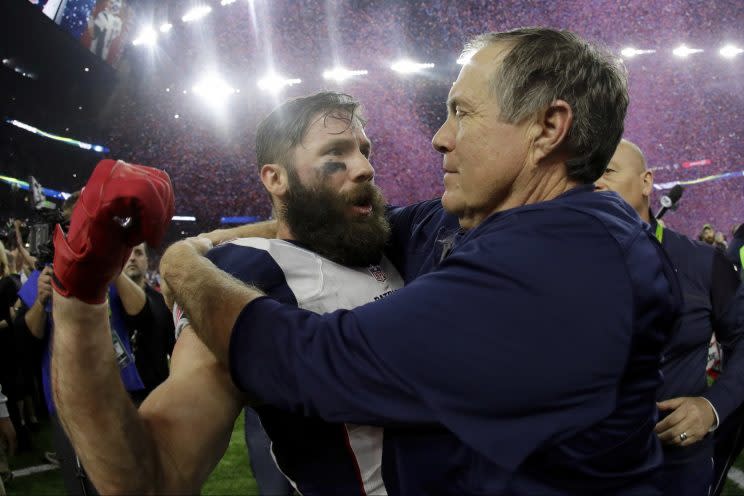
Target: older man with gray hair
[[522, 357]]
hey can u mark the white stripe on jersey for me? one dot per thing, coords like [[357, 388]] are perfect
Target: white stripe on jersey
[[323, 286]]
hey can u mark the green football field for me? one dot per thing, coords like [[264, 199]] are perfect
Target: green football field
[[231, 477]]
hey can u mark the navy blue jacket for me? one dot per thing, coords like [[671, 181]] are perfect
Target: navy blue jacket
[[526, 362], [711, 304]]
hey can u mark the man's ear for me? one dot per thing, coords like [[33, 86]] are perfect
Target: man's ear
[[274, 178], [550, 130], [647, 178]]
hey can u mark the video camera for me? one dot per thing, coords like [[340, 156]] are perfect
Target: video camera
[[45, 217]]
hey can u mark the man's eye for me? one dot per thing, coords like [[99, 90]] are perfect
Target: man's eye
[[334, 151], [459, 112], [609, 171]]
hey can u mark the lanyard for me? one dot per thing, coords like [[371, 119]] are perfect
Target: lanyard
[[659, 232]]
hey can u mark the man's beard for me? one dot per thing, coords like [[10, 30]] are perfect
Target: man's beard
[[134, 273], [319, 219]]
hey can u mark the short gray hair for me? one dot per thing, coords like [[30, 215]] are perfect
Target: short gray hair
[[544, 65]]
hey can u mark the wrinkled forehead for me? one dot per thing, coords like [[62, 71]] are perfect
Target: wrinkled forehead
[[481, 66], [326, 127]]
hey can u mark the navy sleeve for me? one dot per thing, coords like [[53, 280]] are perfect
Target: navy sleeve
[[457, 347], [253, 266], [727, 297]]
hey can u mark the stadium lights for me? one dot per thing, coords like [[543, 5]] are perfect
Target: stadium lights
[[730, 51], [274, 83], [632, 52], [147, 36], [165, 27], [340, 74], [683, 51], [196, 13], [184, 218], [406, 66], [213, 89], [226, 2]]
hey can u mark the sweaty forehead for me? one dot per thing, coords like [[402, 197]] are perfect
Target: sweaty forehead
[[332, 127]]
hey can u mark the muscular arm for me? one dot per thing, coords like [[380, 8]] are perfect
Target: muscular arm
[[132, 296], [180, 432]]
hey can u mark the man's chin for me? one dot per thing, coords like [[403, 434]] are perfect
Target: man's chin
[[452, 204]]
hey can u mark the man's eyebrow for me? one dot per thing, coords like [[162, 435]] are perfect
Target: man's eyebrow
[[458, 100], [338, 143]]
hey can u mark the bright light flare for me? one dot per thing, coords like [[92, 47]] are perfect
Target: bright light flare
[[341, 74], [730, 51], [226, 2], [465, 57], [213, 89], [406, 66], [275, 83], [147, 36], [196, 13], [683, 51], [165, 27], [632, 52]]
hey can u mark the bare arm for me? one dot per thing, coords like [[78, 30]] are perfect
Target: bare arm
[[36, 317], [212, 298], [179, 433], [132, 296], [31, 260], [265, 229]]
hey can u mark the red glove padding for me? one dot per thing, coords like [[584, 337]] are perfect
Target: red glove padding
[[97, 246]]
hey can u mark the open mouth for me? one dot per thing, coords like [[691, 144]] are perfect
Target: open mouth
[[362, 205]]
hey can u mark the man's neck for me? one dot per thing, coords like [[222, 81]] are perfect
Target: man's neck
[[645, 214], [545, 184], [283, 231]]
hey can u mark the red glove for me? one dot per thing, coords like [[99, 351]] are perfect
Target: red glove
[[97, 246]]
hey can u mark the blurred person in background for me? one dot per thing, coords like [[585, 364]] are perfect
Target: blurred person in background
[[707, 234], [735, 251], [690, 409], [10, 365], [7, 442], [148, 322], [719, 241]]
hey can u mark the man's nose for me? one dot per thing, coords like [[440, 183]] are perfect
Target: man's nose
[[444, 139], [362, 170]]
